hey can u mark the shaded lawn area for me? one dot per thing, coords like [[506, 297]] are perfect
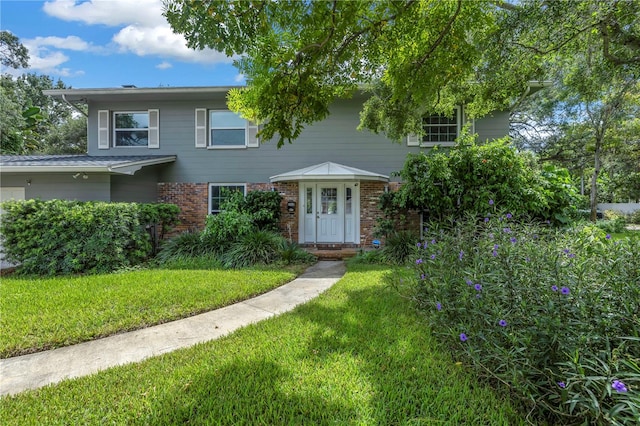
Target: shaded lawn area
[[358, 354], [45, 313]]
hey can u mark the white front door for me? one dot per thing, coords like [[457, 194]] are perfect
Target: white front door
[[328, 213]]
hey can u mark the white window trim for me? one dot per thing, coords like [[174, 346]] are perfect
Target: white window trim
[[210, 128], [203, 131], [244, 190], [458, 116], [416, 140], [113, 131]]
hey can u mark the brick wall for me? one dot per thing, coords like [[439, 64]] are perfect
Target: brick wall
[[192, 198], [370, 193]]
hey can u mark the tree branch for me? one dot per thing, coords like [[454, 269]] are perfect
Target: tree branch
[[443, 33]]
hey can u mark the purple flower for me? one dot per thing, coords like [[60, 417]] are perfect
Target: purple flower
[[554, 287], [502, 323], [506, 230], [513, 240], [490, 202], [571, 255], [495, 247], [418, 261], [433, 241], [618, 385], [422, 276], [491, 236], [565, 290], [478, 296], [509, 216], [566, 251], [478, 287], [608, 237], [433, 256], [469, 282], [438, 306], [418, 245], [494, 253], [463, 337], [526, 259], [486, 220], [461, 255], [562, 385]]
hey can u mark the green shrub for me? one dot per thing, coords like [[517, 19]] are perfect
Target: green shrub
[[292, 253], [187, 244], [369, 257], [473, 178], [634, 217], [264, 209], [253, 248], [66, 237], [399, 246], [240, 215], [612, 226], [551, 315]]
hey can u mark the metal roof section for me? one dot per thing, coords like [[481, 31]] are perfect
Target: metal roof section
[[125, 165], [328, 171], [139, 93]]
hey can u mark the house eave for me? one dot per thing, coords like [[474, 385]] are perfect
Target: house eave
[[123, 168]]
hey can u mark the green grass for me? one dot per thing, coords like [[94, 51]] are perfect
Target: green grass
[[356, 355], [39, 314]]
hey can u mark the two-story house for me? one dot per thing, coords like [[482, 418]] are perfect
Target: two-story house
[[181, 145]]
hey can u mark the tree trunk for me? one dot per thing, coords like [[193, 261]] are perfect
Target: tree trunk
[[593, 197]]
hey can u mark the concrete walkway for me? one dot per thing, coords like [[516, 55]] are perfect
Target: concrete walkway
[[40, 369]]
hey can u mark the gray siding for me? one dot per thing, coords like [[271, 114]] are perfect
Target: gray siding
[[50, 186], [141, 187], [494, 126], [334, 139]]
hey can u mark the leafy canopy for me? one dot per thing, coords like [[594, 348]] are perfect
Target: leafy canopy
[[413, 56]]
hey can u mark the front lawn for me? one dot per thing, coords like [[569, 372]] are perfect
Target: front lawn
[[358, 354], [45, 313]]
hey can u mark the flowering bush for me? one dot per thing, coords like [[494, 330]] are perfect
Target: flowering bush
[[554, 316]]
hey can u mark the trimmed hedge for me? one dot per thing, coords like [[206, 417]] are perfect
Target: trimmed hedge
[[67, 237]]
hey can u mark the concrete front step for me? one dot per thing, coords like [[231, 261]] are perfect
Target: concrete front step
[[333, 253]]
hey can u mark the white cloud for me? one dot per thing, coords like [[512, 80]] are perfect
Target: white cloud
[[164, 65], [145, 33], [46, 54], [239, 78], [69, 43], [49, 63], [161, 41], [108, 12]]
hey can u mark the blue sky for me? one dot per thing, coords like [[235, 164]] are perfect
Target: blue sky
[[110, 43]]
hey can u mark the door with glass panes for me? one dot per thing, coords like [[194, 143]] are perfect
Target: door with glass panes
[[328, 213]]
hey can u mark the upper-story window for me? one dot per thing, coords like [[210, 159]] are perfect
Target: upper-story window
[[439, 129], [131, 129], [124, 129], [224, 129]]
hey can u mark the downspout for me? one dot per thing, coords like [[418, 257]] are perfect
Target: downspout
[[64, 98]]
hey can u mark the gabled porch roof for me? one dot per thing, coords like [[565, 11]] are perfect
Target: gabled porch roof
[[329, 171]]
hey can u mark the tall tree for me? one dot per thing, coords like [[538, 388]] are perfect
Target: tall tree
[[12, 53], [415, 56]]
